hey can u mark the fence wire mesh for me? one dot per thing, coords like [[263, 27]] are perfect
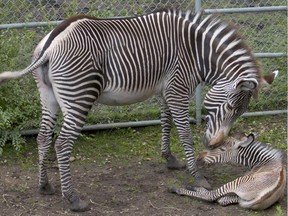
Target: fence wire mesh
[[265, 32]]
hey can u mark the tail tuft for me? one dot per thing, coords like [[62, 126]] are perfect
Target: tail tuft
[[8, 75]]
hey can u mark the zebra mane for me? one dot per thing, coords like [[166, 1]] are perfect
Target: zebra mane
[[187, 15], [228, 28], [226, 36]]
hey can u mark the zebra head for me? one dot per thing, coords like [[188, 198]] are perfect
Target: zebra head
[[225, 102], [228, 151]]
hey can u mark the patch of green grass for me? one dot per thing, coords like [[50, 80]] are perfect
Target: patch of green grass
[[22, 188], [173, 183], [119, 144], [144, 144], [135, 112], [268, 129], [119, 147], [279, 211]]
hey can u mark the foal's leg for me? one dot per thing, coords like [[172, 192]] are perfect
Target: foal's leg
[[196, 192], [166, 121], [228, 200], [240, 187]]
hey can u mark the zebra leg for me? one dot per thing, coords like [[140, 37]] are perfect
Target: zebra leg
[[166, 121], [222, 194], [44, 140], [70, 131], [180, 114], [227, 200], [50, 109], [204, 194], [197, 192]]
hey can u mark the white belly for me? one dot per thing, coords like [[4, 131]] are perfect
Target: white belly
[[122, 97]]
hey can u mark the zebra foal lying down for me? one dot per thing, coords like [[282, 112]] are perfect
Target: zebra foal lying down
[[260, 188]]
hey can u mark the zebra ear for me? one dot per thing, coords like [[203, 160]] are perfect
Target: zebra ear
[[246, 140], [246, 84], [265, 80], [268, 79]]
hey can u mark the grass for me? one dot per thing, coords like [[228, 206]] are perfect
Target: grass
[[279, 210], [22, 188], [144, 144], [120, 147]]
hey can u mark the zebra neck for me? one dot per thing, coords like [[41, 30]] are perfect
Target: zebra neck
[[219, 53], [258, 154]]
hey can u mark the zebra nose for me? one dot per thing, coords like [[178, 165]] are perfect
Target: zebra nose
[[205, 141], [216, 141]]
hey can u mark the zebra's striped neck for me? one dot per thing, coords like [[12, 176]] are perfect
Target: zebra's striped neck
[[258, 154], [220, 53]]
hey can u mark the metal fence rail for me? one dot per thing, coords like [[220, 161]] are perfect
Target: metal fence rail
[[262, 22]]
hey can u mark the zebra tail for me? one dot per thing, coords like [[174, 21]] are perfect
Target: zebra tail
[[8, 75]]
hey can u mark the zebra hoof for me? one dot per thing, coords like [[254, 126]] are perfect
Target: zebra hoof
[[193, 188], [79, 206], [202, 182], [173, 163], [47, 189], [172, 190]]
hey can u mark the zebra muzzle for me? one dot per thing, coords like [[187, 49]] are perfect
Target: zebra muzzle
[[215, 142]]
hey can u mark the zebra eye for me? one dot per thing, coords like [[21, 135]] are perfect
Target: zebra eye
[[229, 105], [206, 121], [222, 149]]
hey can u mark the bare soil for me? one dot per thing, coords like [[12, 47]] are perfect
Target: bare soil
[[139, 188]]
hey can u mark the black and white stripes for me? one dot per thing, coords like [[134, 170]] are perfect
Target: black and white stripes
[[251, 153], [259, 188], [126, 60]]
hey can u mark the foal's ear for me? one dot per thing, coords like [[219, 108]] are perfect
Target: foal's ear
[[246, 141]]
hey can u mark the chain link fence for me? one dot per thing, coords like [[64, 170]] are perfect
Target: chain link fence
[[263, 23]]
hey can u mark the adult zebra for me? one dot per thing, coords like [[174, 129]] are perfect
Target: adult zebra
[[125, 60]]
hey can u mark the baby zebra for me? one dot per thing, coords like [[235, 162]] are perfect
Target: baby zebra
[[260, 188]]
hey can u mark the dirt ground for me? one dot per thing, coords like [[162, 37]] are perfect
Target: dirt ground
[[139, 188]]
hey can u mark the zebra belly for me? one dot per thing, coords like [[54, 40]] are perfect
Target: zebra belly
[[118, 98]]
